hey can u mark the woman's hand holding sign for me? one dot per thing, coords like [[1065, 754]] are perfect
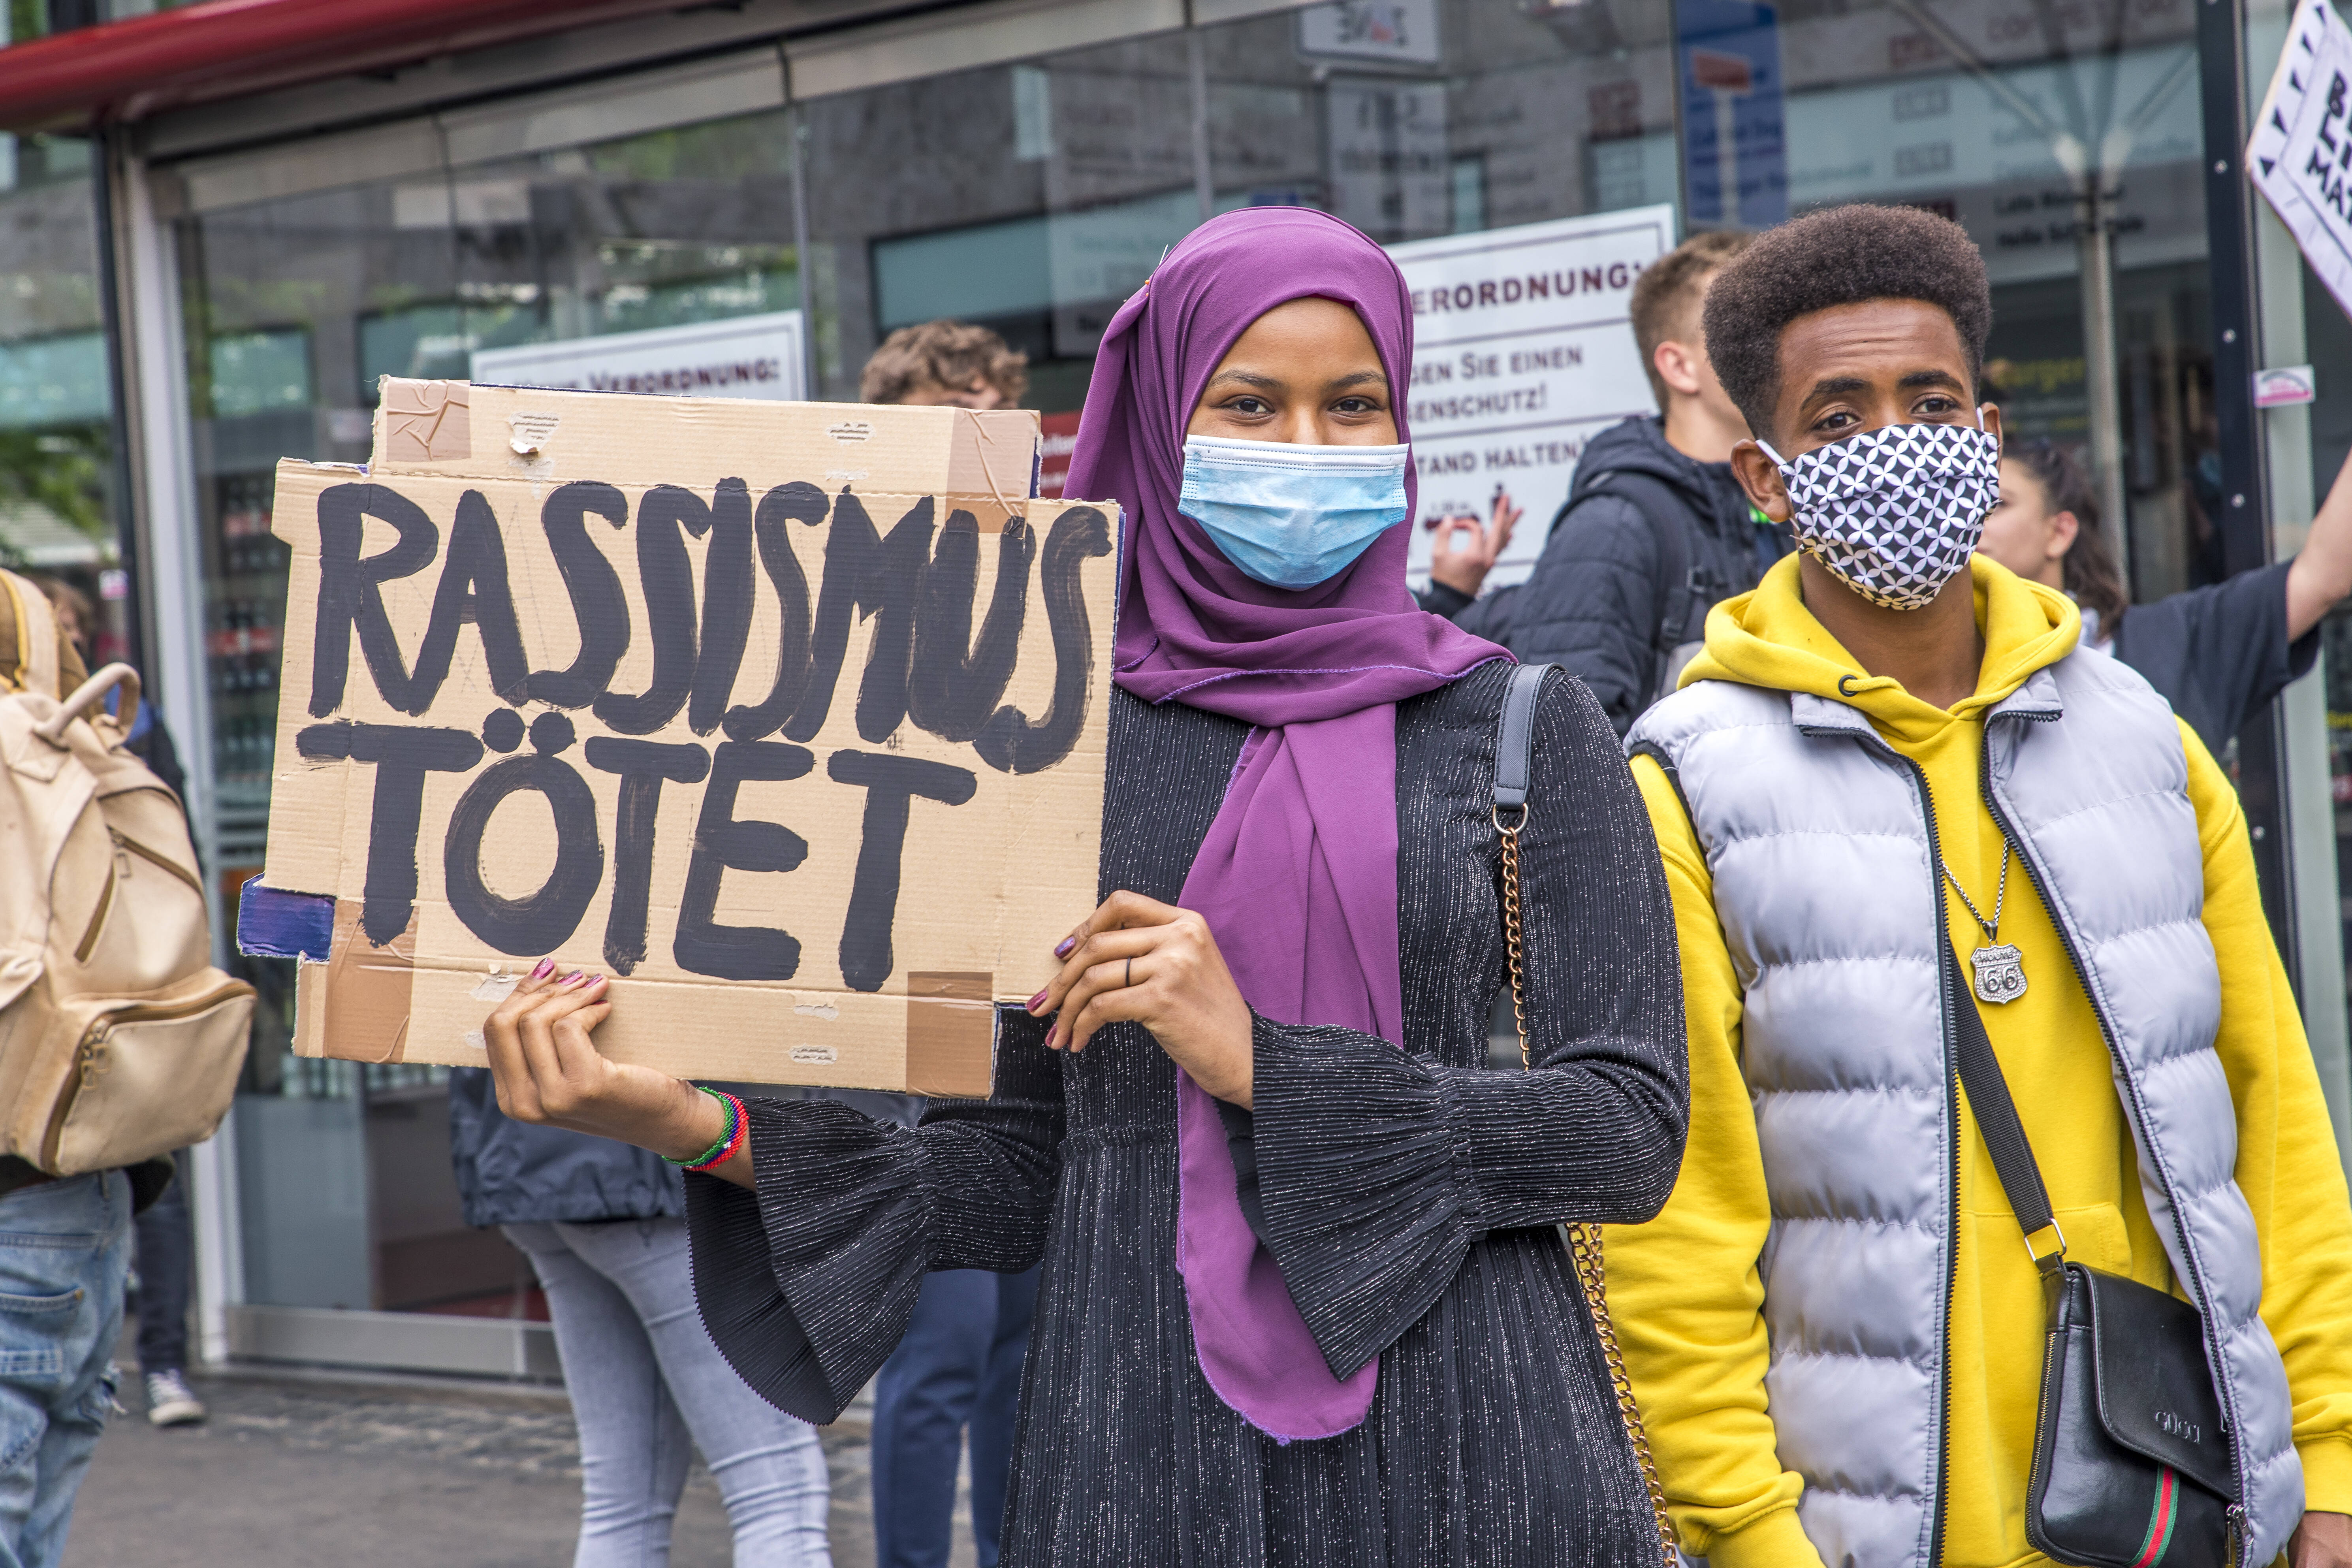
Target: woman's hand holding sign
[[1136, 960], [1133, 960], [550, 1072]]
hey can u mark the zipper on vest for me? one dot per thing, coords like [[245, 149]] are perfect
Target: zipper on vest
[[1869, 740], [2242, 1533], [1951, 1180]]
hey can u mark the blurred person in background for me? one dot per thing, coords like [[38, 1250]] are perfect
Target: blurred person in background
[[164, 1266], [150, 741], [945, 364], [1655, 529], [65, 1253], [2217, 653], [603, 1226], [955, 1378]]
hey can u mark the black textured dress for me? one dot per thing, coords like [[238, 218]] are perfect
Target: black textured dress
[[1407, 1194]]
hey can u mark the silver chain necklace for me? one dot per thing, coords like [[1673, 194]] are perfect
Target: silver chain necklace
[[2000, 966]]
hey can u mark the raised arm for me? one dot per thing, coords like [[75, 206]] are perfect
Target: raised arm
[[2321, 577]]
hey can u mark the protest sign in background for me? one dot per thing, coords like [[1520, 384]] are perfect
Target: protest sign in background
[[788, 716], [2300, 154], [1523, 348]]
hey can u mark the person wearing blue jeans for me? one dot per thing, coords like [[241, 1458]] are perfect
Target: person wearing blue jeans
[[648, 1388], [603, 1225], [64, 1246], [958, 1368]]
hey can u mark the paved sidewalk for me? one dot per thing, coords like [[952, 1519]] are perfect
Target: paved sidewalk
[[292, 1474]]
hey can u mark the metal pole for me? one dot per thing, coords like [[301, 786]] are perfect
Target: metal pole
[[2245, 538], [804, 257], [1204, 173], [2095, 251], [123, 477], [147, 337]]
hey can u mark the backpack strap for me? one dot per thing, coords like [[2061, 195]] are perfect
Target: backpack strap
[[1681, 597], [1662, 508], [33, 661]]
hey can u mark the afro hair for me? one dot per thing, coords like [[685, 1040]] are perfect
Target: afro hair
[[1841, 256]]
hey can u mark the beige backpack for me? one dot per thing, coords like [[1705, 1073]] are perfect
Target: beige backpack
[[119, 1040]]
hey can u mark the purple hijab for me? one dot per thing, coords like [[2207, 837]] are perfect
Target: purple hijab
[[1297, 876]]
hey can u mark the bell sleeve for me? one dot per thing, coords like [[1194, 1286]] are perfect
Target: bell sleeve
[[807, 1281], [1375, 1169]]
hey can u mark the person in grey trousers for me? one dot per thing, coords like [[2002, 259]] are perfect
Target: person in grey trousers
[[603, 1226]]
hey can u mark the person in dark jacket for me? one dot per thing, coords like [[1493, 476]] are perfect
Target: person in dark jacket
[[1655, 529], [603, 1225], [2217, 652]]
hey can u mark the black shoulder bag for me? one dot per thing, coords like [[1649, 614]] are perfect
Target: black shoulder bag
[[2131, 1465], [1514, 768]]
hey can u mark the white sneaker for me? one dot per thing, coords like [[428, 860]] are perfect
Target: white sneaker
[[169, 1401]]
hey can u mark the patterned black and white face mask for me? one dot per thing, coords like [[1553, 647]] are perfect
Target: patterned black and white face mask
[[1894, 512]]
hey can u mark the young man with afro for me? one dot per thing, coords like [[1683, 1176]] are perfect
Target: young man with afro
[[1894, 786]]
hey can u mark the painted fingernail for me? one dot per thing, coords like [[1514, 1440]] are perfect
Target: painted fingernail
[[546, 967], [574, 978], [1034, 1000], [1067, 943], [593, 982]]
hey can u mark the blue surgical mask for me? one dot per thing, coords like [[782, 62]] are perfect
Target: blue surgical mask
[[1292, 516]]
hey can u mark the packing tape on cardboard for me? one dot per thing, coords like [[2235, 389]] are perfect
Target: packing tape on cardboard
[[368, 989], [951, 1034]]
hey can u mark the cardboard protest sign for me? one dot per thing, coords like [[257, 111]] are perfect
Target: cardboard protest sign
[[788, 716], [2300, 154]]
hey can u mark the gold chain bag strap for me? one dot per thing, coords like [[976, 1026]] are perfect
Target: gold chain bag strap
[[1514, 759]]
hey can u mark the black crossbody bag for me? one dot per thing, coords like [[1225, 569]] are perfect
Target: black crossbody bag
[[2131, 1463]]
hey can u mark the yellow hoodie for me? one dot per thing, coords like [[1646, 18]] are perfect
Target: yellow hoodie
[[1685, 1287]]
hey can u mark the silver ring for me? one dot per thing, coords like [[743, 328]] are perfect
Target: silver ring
[[1130, 972]]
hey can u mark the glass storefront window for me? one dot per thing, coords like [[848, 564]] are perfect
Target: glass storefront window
[[1029, 198], [57, 413], [294, 309]]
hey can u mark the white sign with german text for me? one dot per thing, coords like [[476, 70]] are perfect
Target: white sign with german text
[[2300, 156], [742, 356], [1523, 349]]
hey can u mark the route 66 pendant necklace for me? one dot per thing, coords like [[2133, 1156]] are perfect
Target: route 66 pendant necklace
[[2000, 967]]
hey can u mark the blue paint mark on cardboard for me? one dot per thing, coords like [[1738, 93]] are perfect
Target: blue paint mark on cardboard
[[273, 923]]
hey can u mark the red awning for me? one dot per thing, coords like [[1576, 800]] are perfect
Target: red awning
[[220, 49]]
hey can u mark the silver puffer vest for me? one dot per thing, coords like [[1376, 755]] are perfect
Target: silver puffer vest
[[1819, 835]]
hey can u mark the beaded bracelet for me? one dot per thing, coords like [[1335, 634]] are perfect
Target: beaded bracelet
[[720, 1152]]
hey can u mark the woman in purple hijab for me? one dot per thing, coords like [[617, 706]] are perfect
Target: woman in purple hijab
[[1303, 1301]]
